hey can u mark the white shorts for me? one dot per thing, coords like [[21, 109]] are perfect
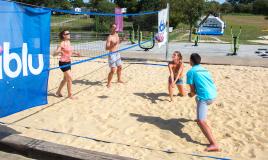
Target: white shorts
[[114, 60]]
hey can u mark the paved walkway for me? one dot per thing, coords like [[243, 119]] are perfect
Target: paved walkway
[[211, 53], [206, 49]]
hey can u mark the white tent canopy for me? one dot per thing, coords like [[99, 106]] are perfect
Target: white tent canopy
[[211, 25]]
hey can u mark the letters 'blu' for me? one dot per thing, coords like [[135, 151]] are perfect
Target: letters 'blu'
[[24, 57]]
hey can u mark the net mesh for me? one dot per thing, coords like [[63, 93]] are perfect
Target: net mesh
[[90, 31]]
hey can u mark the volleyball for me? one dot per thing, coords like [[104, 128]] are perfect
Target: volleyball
[[159, 37]]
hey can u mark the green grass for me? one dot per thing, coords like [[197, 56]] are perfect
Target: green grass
[[176, 36], [59, 18], [72, 22], [80, 23], [252, 26]]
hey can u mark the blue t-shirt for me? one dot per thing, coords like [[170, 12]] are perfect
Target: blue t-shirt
[[202, 80]]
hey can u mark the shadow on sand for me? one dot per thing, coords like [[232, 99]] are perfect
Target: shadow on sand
[[87, 82], [173, 125], [6, 131], [52, 95], [103, 97], [153, 97]]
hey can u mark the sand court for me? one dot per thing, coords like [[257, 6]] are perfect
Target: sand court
[[137, 120]]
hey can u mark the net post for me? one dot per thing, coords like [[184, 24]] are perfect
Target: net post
[[168, 8]]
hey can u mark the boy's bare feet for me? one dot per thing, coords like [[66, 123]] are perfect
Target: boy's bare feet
[[212, 148]]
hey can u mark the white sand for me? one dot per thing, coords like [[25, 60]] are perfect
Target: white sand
[[138, 114]]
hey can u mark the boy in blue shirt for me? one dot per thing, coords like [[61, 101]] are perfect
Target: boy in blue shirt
[[202, 85]]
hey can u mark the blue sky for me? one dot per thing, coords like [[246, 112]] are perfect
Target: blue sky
[[221, 1]]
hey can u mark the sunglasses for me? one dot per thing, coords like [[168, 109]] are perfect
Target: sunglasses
[[66, 34]]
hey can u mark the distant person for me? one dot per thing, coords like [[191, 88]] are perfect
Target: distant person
[[176, 71], [115, 62], [65, 50], [202, 85]]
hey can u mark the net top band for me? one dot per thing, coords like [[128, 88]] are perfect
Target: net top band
[[102, 14], [86, 13]]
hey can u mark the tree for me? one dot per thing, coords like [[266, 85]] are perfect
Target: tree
[[227, 8], [212, 7], [103, 22], [148, 22], [105, 6], [240, 1], [131, 5], [176, 12], [245, 8], [260, 7], [77, 3], [192, 11], [149, 5], [181, 11], [63, 4], [94, 3]]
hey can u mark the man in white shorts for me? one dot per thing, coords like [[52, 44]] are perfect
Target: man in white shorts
[[115, 62]]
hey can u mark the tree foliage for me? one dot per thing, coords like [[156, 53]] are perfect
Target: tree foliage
[[102, 23], [62, 4], [227, 8], [212, 7], [148, 22], [77, 3], [131, 5], [192, 11], [245, 6], [181, 11], [260, 7], [240, 1]]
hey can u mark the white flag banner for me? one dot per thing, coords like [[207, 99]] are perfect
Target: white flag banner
[[162, 27]]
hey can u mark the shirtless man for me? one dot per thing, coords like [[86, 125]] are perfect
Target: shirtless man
[[115, 62]]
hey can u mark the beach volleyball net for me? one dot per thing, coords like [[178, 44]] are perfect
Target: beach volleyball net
[[29, 39], [89, 31]]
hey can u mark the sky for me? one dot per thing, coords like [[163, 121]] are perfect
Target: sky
[[221, 1]]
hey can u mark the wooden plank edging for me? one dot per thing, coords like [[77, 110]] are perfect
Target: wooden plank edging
[[38, 148]]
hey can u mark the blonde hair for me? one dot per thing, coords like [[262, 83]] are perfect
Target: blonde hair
[[178, 53]]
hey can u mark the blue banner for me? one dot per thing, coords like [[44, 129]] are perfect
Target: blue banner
[[24, 57]]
